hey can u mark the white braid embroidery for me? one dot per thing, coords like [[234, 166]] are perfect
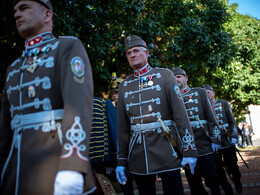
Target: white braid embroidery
[[75, 135], [187, 140]]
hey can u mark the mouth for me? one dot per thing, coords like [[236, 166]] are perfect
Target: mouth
[[19, 23]]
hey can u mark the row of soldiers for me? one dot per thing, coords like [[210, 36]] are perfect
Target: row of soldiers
[[164, 125], [47, 116]]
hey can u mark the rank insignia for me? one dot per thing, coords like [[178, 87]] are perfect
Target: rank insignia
[[77, 67], [177, 91]]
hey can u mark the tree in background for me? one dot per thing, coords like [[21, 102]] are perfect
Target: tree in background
[[185, 33], [242, 75]]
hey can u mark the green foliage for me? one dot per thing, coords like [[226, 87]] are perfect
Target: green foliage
[[242, 75], [197, 35]]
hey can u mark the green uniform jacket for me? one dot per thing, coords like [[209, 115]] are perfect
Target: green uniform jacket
[[46, 116], [226, 121], [199, 110], [144, 97]]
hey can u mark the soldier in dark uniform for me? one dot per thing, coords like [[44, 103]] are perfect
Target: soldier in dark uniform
[[128, 188], [46, 110], [113, 87], [229, 136], [149, 105], [206, 132]]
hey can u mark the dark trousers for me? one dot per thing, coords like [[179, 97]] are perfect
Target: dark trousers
[[171, 182], [221, 175], [128, 188], [205, 168], [230, 160]]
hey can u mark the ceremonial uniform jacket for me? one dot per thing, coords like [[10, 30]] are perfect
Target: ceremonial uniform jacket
[[201, 116], [102, 146], [226, 121], [46, 116], [144, 97]]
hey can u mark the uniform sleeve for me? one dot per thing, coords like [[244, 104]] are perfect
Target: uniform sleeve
[[112, 123], [232, 128], [123, 131], [213, 127], [6, 133], [180, 117], [76, 84]]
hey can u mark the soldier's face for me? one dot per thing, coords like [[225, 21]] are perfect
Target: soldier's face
[[114, 95], [211, 94], [30, 17], [181, 80], [137, 57]]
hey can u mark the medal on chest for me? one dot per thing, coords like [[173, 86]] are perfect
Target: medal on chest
[[141, 83], [35, 56], [190, 98], [150, 82]]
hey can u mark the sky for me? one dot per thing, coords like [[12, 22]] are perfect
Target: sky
[[248, 7]]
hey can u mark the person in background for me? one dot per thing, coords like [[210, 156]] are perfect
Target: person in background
[[246, 133], [128, 188], [251, 133], [229, 136], [102, 145], [113, 88], [206, 132], [149, 106], [46, 110]]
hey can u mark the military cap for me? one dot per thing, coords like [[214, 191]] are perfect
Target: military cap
[[134, 41], [115, 82], [207, 87], [45, 3], [177, 70]]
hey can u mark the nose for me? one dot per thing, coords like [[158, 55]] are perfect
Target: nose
[[132, 55], [17, 14]]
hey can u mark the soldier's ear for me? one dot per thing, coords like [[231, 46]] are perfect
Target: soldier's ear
[[147, 52], [48, 15]]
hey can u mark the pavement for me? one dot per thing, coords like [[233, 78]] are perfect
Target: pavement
[[250, 178]]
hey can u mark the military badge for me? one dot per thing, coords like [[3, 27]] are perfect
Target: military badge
[[33, 64], [31, 91], [150, 108], [177, 91], [77, 67]]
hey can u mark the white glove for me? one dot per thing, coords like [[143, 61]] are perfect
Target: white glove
[[68, 182], [191, 161], [233, 141], [215, 147], [120, 175]]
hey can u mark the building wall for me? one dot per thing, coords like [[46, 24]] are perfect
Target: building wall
[[254, 119]]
